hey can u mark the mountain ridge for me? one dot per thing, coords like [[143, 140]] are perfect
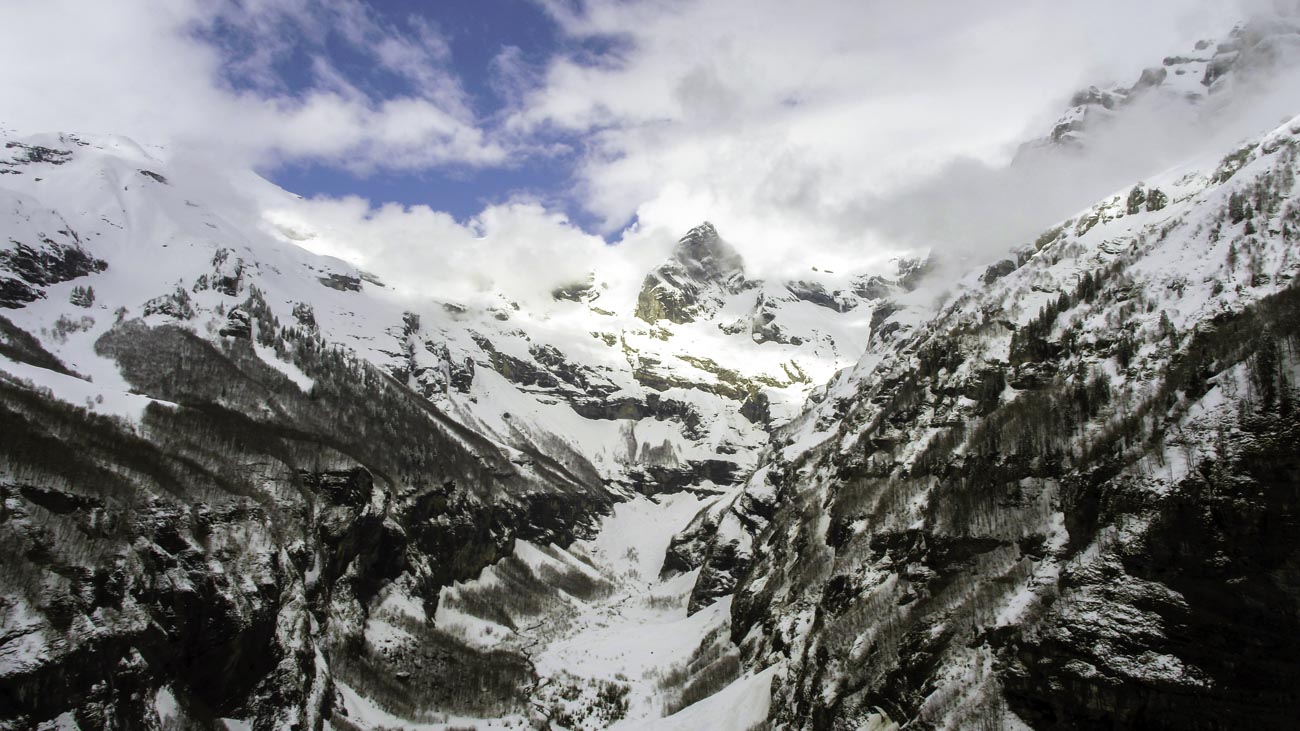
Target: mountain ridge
[[372, 449]]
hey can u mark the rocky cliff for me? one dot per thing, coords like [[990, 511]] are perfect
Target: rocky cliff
[[1064, 499]]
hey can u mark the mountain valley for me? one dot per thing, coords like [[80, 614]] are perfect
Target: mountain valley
[[248, 486]]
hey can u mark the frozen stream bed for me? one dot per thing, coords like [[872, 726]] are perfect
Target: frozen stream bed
[[610, 642]]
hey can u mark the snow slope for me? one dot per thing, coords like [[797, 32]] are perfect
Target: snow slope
[[177, 245], [628, 636]]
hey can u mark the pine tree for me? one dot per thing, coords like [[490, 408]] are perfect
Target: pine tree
[[1156, 200], [1136, 199], [82, 296], [1237, 208]]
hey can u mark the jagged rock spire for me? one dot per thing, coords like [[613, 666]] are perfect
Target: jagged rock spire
[[703, 267]]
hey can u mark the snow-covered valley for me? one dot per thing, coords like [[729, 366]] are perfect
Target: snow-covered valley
[[631, 635], [603, 658]]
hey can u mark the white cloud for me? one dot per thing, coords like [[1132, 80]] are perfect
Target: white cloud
[[780, 120], [823, 133], [518, 249], [144, 69]]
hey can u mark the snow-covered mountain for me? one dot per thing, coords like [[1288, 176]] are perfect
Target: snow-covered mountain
[[1207, 79], [296, 450], [1062, 498], [245, 485]]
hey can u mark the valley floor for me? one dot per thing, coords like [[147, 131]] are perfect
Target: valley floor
[[614, 660]]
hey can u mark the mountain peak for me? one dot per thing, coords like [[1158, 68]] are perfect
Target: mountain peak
[[705, 230], [705, 257], [703, 268]]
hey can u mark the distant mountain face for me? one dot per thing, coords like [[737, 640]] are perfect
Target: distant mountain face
[[695, 283], [1205, 77]]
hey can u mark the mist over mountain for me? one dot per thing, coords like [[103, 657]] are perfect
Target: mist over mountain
[[620, 365]]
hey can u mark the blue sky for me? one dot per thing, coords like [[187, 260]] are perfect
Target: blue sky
[[477, 32]]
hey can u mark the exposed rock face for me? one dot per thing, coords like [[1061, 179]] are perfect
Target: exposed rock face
[[1016, 517], [577, 292], [703, 269], [815, 293], [24, 154], [653, 406], [1253, 47], [757, 408], [196, 554], [719, 540], [998, 270], [227, 276], [25, 270], [341, 282], [873, 288], [763, 327], [548, 370], [176, 305], [238, 325], [652, 479]]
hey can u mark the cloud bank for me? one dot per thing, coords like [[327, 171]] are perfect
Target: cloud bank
[[210, 75], [781, 120], [823, 133]]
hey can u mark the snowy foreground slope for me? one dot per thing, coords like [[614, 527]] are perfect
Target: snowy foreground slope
[[244, 485]]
